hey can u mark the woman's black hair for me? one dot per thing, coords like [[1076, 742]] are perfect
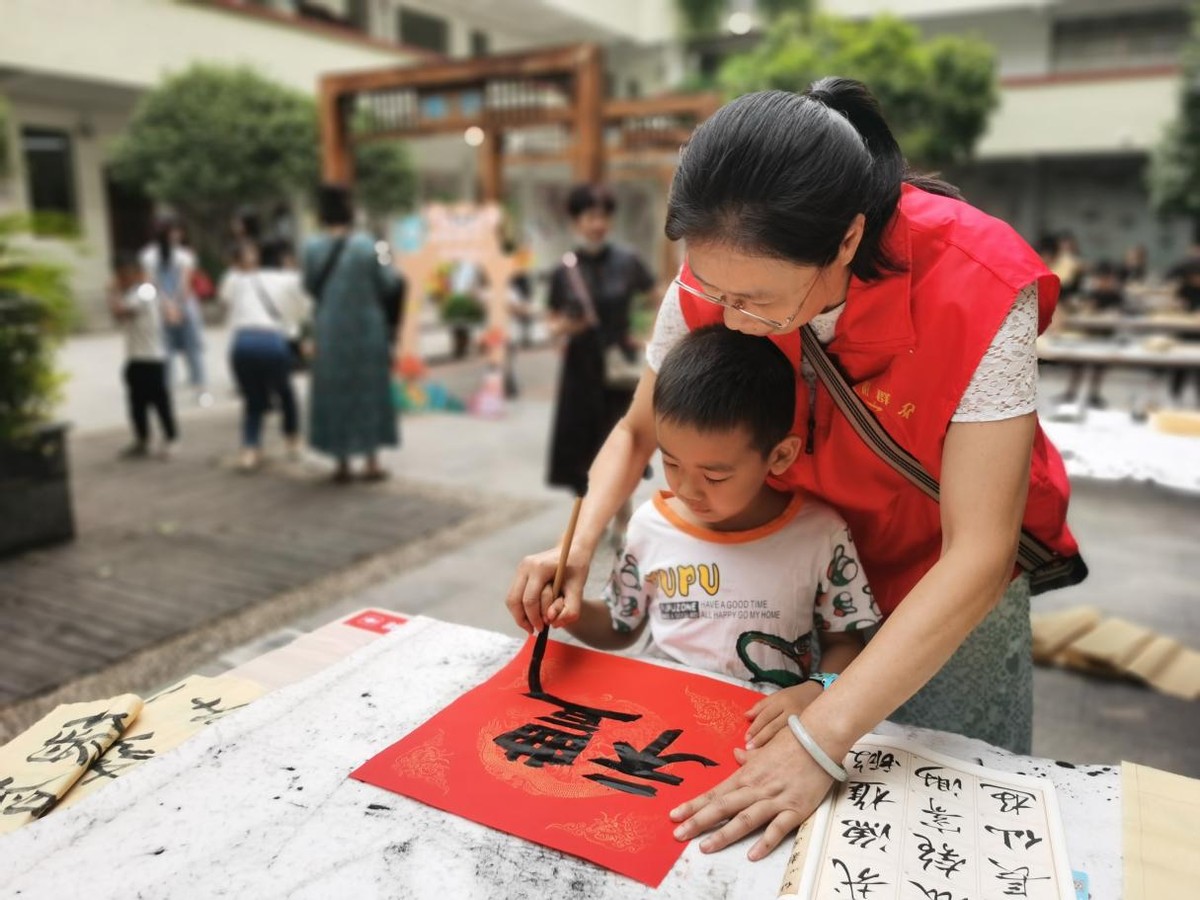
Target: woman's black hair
[[335, 205], [783, 175], [717, 380], [273, 253], [590, 196], [162, 237]]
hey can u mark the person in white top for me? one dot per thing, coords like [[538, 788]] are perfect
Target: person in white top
[[135, 304], [266, 308], [725, 572], [169, 265]]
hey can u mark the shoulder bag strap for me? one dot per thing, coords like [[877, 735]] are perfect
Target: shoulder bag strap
[[264, 297], [327, 269], [1047, 569]]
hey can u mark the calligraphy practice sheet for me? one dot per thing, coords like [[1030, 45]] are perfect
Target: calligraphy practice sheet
[[41, 764], [911, 824], [591, 765]]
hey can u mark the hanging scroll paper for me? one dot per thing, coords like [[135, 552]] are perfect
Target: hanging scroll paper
[[911, 824], [591, 765]]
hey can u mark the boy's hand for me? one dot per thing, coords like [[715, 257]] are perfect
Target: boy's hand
[[770, 714], [530, 600]]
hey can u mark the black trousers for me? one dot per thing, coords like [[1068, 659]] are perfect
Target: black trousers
[[146, 384]]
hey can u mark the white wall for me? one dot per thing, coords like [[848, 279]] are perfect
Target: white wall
[[1079, 117], [137, 42], [88, 256]]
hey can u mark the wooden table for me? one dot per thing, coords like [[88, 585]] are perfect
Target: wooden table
[[1115, 353], [1182, 324], [259, 805]]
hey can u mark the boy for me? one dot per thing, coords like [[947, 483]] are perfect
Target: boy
[[135, 305], [730, 574]]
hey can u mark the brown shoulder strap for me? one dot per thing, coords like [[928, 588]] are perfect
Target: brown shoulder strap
[[1047, 569]]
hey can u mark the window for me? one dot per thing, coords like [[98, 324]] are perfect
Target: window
[[420, 30], [1118, 42], [480, 45], [359, 16], [50, 174]]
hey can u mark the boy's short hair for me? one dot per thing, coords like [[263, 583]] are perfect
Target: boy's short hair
[[718, 379]]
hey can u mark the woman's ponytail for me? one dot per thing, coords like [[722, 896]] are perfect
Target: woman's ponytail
[[854, 102]]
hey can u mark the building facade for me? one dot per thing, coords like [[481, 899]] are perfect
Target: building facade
[[1087, 88], [72, 73]]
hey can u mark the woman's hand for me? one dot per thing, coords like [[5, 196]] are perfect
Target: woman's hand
[[770, 714], [530, 599], [777, 786]]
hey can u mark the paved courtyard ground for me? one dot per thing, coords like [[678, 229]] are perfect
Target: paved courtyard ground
[[480, 482]]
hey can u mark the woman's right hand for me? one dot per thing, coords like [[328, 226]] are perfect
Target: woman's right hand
[[531, 601]]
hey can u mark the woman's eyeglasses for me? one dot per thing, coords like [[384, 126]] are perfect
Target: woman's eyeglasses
[[740, 306]]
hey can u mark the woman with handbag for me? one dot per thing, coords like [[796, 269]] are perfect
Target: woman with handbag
[[911, 319], [266, 306], [590, 305], [350, 396]]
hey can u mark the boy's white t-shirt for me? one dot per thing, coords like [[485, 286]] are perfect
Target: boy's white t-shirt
[[143, 328], [748, 603]]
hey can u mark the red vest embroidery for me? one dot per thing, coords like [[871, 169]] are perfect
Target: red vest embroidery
[[909, 344]]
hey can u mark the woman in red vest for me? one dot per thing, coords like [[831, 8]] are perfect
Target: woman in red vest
[[797, 210]]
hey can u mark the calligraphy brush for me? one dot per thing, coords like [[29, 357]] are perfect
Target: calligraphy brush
[[539, 645]]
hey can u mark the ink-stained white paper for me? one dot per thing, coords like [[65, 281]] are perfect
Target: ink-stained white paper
[[911, 824]]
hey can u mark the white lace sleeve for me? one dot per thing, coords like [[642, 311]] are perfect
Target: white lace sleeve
[[1004, 385], [669, 329]]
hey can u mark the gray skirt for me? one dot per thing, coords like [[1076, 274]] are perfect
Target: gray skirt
[[985, 690]]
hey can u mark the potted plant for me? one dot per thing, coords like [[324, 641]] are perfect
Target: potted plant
[[36, 314], [460, 309]]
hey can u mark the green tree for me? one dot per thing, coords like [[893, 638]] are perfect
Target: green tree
[[1173, 176], [936, 94], [210, 140], [36, 313]]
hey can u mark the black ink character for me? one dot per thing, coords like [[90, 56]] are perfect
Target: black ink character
[[872, 761], [932, 893], [86, 739], [936, 817], [557, 746], [120, 756], [1016, 880], [1021, 835], [24, 799], [645, 764], [210, 710], [947, 860], [1011, 800], [929, 775], [860, 833], [860, 885], [861, 795]]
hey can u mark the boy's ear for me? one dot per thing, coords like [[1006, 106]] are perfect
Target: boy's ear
[[784, 454]]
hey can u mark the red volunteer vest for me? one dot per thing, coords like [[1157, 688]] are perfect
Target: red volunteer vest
[[909, 344]]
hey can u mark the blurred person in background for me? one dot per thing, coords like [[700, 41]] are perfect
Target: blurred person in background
[[169, 264], [135, 305], [1184, 277], [1134, 271], [1068, 266], [590, 307], [1103, 293], [266, 307], [350, 401]]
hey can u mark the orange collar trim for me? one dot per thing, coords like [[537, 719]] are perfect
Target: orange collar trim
[[727, 537]]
